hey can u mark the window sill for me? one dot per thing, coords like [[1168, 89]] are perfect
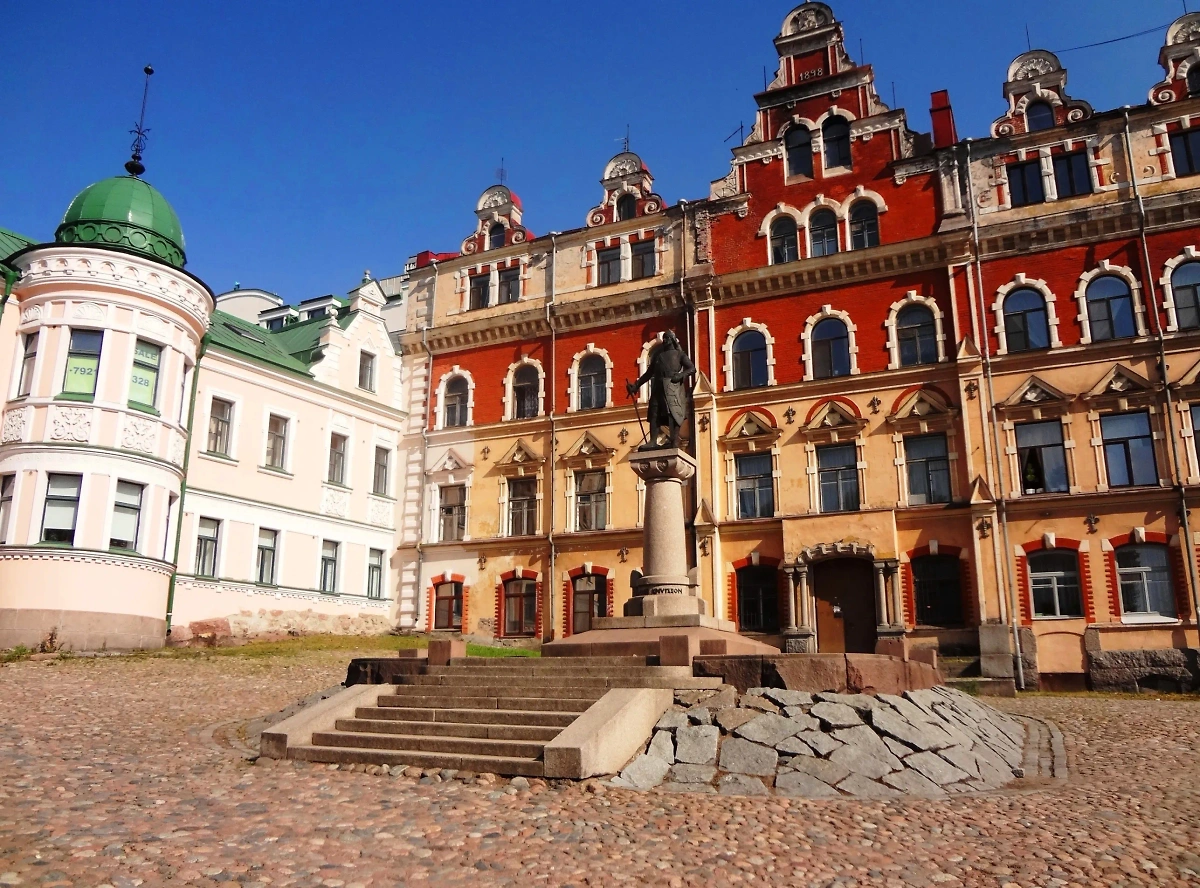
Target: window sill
[[383, 496], [143, 408], [73, 396], [218, 457], [369, 391], [336, 485], [1049, 618], [280, 473], [1149, 620], [48, 544]]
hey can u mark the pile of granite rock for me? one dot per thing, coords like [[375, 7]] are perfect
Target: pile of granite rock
[[928, 743]]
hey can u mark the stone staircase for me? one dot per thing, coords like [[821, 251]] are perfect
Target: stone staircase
[[484, 715]]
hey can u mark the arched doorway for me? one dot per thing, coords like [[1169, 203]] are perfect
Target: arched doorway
[[844, 593]]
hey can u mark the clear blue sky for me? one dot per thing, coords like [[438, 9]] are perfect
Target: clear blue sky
[[301, 142]]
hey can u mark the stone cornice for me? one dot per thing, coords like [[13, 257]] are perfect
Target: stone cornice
[[85, 556]]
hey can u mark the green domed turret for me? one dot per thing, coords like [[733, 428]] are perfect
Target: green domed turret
[[126, 213]]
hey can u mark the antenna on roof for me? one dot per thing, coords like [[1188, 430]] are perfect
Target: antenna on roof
[[862, 53], [502, 173], [134, 165], [895, 104], [626, 138], [1028, 42], [765, 84], [740, 132]]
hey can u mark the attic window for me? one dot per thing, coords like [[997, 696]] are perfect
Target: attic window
[[1039, 116], [244, 334]]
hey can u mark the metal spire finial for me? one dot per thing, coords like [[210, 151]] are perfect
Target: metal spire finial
[[134, 165]]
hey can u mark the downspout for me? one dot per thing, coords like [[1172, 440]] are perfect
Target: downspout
[[187, 461], [692, 348], [1002, 499], [551, 581], [1152, 310], [424, 457]]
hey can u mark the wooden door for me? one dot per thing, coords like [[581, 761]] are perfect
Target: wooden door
[[843, 590]]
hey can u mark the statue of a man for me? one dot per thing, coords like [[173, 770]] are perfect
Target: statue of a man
[[668, 375]]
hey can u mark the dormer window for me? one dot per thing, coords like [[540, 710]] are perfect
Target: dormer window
[[1039, 116], [1193, 80], [496, 237], [315, 314], [626, 207], [836, 135], [798, 145]]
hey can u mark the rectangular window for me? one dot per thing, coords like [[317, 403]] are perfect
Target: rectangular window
[[1144, 573], [591, 501], [62, 508], [1042, 458], [208, 537], [329, 566], [522, 507], [608, 266], [838, 473], [448, 606], [520, 607], [510, 285], [337, 459], [481, 295], [928, 470], [1025, 183], [83, 363], [265, 572], [1185, 151], [7, 484], [379, 481], [1072, 174], [29, 357], [277, 428], [220, 420], [366, 371], [1129, 450], [1196, 431], [127, 516], [644, 260], [1054, 582], [755, 486], [453, 512], [143, 383], [375, 574]]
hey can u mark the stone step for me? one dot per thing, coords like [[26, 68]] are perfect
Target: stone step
[[448, 729], [528, 749], [451, 701], [500, 663], [959, 667], [525, 717], [567, 671], [517, 688], [481, 764]]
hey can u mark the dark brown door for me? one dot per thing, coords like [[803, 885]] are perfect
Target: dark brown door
[[845, 599]]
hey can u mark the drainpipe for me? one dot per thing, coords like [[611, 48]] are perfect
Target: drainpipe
[[1002, 499], [551, 580], [187, 460], [424, 456], [692, 348], [11, 276], [1152, 310]]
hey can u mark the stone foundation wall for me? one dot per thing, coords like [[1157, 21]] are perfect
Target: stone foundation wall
[[266, 623], [853, 673], [1164, 670]]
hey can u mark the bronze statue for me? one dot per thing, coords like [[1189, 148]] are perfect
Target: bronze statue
[[668, 375]]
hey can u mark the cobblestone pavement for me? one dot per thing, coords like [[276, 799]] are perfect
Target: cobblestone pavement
[[111, 773]]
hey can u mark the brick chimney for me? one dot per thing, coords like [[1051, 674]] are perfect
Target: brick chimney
[[945, 133]]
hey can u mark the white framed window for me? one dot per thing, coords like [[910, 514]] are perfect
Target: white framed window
[[1147, 587], [381, 475], [208, 542], [1110, 304], [1181, 286], [915, 330], [455, 399], [220, 427], [366, 371], [830, 350], [143, 378], [524, 390], [61, 510], [452, 513], [8, 484], [83, 364], [126, 517], [375, 574], [29, 351], [749, 351], [590, 380], [329, 567], [339, 446], [277, 441], [1026, 316], [265, 557]]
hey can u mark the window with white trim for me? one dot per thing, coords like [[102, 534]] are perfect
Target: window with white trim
[[1147, 587], [366, 371], [1042, 458], [916, 335], [381, 478], [1026, 326], [928, 462], [329, 566], [835, 134], [277, 433], [510, 285], [220, 421], [526, 392], [1054, 583], [7, 484], [1025, 186], [608, 266], [592, 384], [208, 539], [522, 506], [83, 363], [338, 445], [264, 573], [864, 225], [1072, 174], [785, 241], [454, 403], [1129, 449], [143, 381], [591, 500], [830, 343], [750, 360], [1110, 309], [1039, 116], [126, 517], [1185, 151], [755, 485], [797, 144], [837, 473], [480, 289], [61, 509], [823, 233], [1185, 292], [452, 512], [375, 574], [28, 359], [448, 606]]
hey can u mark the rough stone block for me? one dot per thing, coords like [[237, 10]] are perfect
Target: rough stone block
[[863, 787], [713, 647], [913, 783], [683, 773], [686, 787], [820, 743], [858, 760], [891, 723], [677, 650], [865, 672], [697, 745], [743, 757], [662, 747], [743, 672], [824, 770], [862, 703], [787, 698], [936, 768], [412, 653], [769, 729], [995, 638], [962, 758], [700, 715], [793, 746], [835, 715], [866, 739], [741, 784], [722, 699], [804, 720], [443, 650], [909, 710], [731, 719], [672, 720], [645, 772], [797, 784], [806, 672], [762, 704]]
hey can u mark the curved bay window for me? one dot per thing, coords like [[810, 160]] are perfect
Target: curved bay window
[[1146, 586], [785, 241], [448, 606], [626, 207], [823, 232], [525, 386], [496, 237], [830, 343], [758, 599], [836, 136], [454, 412], [798, 145], [593, 383], [937, 588], [1039, 116], [864, 225], [589, 600], [1185, 290], [1110, 309], [520, 607], [1026, 327], [749, 360], [916, 334], [1054, 583]]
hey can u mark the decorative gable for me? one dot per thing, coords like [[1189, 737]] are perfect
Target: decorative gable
[[1189, 383], [588, 453], [752, 429], [499, 211], [1180, 59], [921, 409], [1036, 394], [833, 419], [1122, 385], [628, 192], [1037, 76], [521, 459], [451, 463]]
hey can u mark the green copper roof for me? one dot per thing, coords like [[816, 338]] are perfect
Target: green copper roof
[[11, 242], [252, 341], [128, 213]]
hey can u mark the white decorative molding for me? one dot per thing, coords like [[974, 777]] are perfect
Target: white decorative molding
[[89, 311], [139, 434], [152, 325], [85, 556], [381, 513], [335, 503], [15, 422], [73, 424], [31, 315], [178, 449]]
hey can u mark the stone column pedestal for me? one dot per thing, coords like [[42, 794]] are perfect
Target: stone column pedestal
[[665, 585]]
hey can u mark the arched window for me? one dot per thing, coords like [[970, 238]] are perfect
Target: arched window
[[836, 135], [1054, 583], [1193, 80], [1039, 116], [937, 587], [496, 237], [626, 207], [798, 144], [590, 600], [750, 360], [916, 334], [823, 231], [758, 599], [1185, 290], [525, 390], [1025, 325], [1110, 309], [593, 383], [520, 607], [785, 242], [1146, 584], [864, 225], [831, 349], [455, 405]]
